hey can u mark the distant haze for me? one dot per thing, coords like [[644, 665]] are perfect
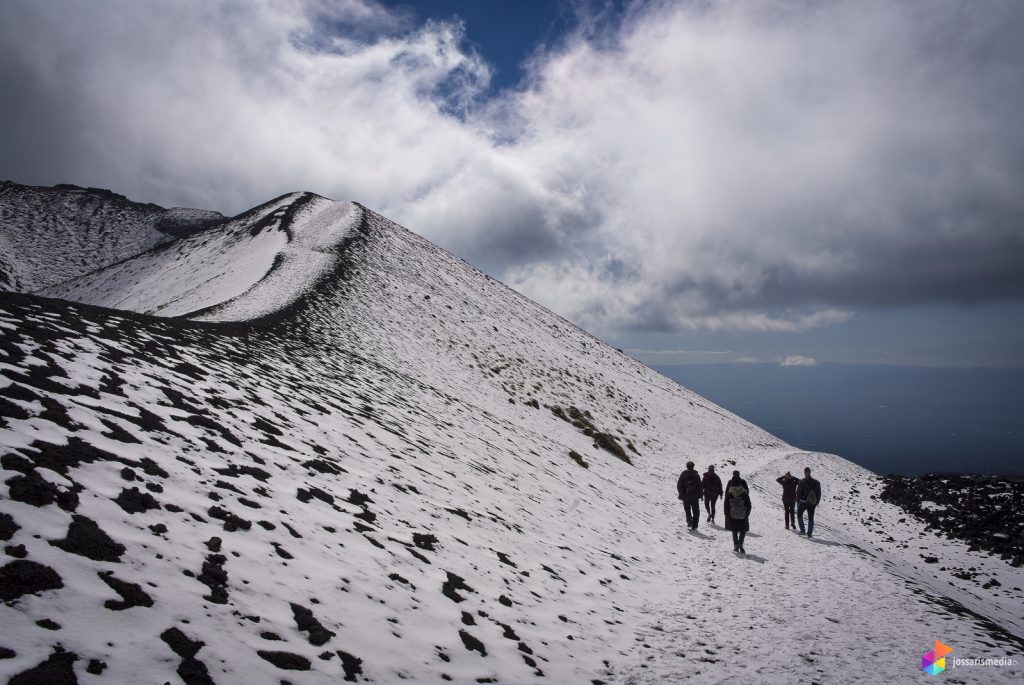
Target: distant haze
[[888, 419]]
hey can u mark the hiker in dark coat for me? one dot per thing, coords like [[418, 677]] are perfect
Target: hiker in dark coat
[[808, 495], [689, 489], [736, 507], [788, 483], [711, 488]]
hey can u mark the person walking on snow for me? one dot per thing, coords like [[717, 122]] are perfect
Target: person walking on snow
[[808, 495], [711, 487], [736, 507], [788, 483], [688, 486]]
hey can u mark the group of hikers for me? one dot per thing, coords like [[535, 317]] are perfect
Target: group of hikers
[[799, 496]]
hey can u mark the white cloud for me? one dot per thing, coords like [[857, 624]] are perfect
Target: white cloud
[[728, 166], [798, 360]]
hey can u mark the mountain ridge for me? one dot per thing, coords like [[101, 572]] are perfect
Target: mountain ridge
[[51, 234]]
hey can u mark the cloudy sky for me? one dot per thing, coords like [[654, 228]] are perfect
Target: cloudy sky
[[692, 181]]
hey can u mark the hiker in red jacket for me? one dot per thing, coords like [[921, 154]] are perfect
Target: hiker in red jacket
[[788, 483], [711, 488]]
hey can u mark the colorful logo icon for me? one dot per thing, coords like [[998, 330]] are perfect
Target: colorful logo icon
[[933, 662]]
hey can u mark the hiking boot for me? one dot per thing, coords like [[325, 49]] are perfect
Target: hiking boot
[[742, 551]]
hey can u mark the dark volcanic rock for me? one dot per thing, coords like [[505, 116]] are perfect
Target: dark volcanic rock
[[60, 458], [16, 551], [88, 540], [215, 577], [181, 644], [23, 577], [231, 521], [285, 660], [451, 586], [235, 471], [306, 494], [132, 594], [191, 670], [472, 644], [353, 666], [56, 670], [11, 410], [424, 541], [134, 501], [8, 527], [987, 511], [32, 489], [306, 622]]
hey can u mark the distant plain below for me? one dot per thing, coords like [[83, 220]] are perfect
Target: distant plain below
[[890, 419]]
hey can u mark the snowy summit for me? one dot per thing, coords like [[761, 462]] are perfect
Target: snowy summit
[[305, 445]]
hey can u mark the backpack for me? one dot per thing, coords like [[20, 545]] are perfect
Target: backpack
[[812, 498], [737, 508], [691, 487]]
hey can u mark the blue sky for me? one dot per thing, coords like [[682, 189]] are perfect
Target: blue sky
[[691, 181], [504, 33]]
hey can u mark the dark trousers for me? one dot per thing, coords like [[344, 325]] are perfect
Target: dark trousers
[[800, 509], [709, 505], [692, 512], [737, 538], [790, 514]]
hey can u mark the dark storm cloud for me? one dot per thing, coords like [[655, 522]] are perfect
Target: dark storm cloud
[[762, 166]]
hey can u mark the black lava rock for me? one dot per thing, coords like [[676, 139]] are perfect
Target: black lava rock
[[56, 670], [285, 660], [87, 539], [987, 511], [7, 527], [306, 622], [23, 577], [134, 501], [353, 666], [132, 594]]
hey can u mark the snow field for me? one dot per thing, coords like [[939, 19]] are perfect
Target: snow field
[[364, 473]]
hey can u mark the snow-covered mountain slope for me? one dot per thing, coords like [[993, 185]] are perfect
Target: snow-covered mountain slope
[[50, 235], [399, 469], [253, 265]]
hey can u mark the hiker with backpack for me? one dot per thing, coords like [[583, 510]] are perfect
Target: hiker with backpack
[[736, 507], [689, 487], [788, 483], [711, 488], [808, 495]]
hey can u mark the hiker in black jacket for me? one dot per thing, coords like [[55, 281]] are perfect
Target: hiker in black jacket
[[808, 495], [788, 483], [689, 488], [711, 488], [736, 507]]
